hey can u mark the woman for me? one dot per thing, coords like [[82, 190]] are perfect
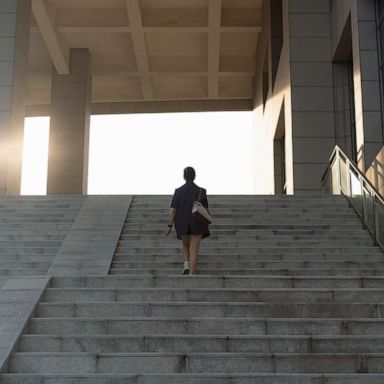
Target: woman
[[188, 229]]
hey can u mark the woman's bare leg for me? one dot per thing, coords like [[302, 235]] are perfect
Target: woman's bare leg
[[186, 239], [193, 252]]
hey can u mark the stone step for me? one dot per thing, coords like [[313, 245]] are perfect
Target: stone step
[[285, 264], [258, 223], [31, 238], [205, 250], [120, 282], [248, 202], [50, 214], [270, 235], [291, 285], [234, 243], [343, 271], [139, 363], [27, 258], [22, 206], [247, 310], [247, 217], [11, 264], [17, 250], [56, 209], [184, 378], [237, 200], [33, 220], [23, 272], [256, 217], [238, 231], [41, 227], [175, 323], [31, 243], [158, 261], [201, 343], [226, 295], [175, 248], [249, 212], [260, 235], [284, 203], [268, 264], [146, 198]]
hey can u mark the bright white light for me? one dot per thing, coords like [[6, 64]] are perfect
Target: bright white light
[[35, 156], [146, 153]]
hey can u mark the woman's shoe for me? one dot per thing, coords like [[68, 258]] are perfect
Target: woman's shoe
[[185, 271]]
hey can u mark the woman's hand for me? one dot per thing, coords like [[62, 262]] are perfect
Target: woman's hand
[[171, 222]]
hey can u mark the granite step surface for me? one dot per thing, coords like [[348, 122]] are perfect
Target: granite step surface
[[289, 290]]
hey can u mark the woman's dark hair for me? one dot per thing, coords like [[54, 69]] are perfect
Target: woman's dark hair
[[189, 174]]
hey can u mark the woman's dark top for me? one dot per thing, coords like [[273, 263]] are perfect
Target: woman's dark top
[[182, 201]]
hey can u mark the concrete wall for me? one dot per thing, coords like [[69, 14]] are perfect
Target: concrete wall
[[304, 83], [266, 117], [311, 85], [14, 45], [375, 172], [366, 72]]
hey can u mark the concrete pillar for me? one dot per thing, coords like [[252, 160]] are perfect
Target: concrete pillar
[[313, 126], [69, 132], [14, 45]]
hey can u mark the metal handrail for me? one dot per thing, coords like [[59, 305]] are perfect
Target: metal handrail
[[338, 157], [352, 165]]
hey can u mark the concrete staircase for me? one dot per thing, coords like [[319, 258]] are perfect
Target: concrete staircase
[[31, 231], [290, 290]]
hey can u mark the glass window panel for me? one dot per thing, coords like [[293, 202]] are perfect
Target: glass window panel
[[335, 178], [380, 220], [356, 198], [343, 176], [381, 6], [368, 203]]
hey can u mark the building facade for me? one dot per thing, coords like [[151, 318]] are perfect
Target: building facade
[[318, 84], [311, 70]]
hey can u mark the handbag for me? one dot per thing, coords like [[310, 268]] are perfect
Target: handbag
[[200, 212]]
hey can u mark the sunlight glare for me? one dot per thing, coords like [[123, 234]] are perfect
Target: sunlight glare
[[35, 156], [146, 153]]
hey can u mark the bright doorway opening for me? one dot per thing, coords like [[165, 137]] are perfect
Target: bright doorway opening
[[146, 153], [35, 156]]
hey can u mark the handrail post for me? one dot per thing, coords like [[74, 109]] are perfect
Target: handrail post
[[339, 168], [349, 182], [363, 210], [375, 221]]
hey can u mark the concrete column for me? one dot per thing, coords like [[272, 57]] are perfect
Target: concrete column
[[313, 126], [14, 45], [69, 133]]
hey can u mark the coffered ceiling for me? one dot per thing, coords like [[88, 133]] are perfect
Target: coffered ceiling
[[148, 50]]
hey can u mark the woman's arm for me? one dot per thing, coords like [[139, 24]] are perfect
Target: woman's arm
[[171, 221], [205, 202]]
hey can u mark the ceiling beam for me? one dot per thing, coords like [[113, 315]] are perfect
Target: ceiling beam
[[171, 74], [45, 75], [126, 29], [215, 9], [139, 46], [57, 48], [153, 106]]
